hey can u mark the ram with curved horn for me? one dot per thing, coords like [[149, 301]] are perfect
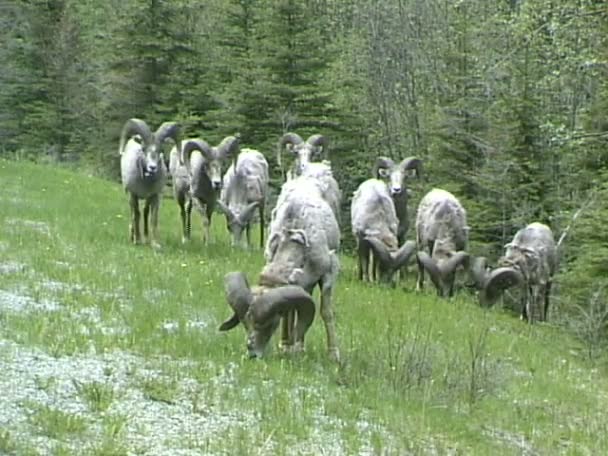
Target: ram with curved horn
[[144, 173], [300, 255], [529, 262], [304, 152], [245, 186], [374, 225], [196, 168], [442, 237], [396, 176]]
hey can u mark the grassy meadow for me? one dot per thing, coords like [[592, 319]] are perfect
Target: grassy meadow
[[108, 348]]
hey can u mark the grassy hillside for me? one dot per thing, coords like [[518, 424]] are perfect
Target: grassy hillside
[[110, 348]]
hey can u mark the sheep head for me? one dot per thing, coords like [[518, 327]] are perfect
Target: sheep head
[[442, 267], [390, 260], [237, 219], [396, 174], [151, 143], [260, 310], [214, 156], [304, 152]]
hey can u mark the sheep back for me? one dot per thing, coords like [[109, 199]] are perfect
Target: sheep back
[[440, 216], [373, 213]]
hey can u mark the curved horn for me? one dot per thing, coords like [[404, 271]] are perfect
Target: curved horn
[[290, 138], [282, 299], [412, 163], [450, 265], [478, 271], [134, 127], [223, 207], [403, 255], [380, 250], [168, 130], [499, 280], [431, 267], [191, 145], [382, 163], [319, 141], [247, 213], [228, 147], [239, 297]]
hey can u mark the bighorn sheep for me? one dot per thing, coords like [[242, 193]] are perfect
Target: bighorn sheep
[[441, 227], [244, 189], [374, 224], [396, 176], [300, 254], [144, 173], [305, 152], [530, 261], [197, 177]]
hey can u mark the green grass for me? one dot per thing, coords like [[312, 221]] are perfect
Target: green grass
[[418, 375]]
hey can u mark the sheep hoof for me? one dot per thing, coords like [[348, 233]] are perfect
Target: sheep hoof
[[185, 240], [285, 347], [334, 354], [155, 245]]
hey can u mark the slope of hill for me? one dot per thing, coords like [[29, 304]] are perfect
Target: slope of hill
[[110, 348]]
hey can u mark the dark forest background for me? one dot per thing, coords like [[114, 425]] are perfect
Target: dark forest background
[[505, 101]]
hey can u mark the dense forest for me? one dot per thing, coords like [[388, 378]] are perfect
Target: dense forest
[[506, 102]]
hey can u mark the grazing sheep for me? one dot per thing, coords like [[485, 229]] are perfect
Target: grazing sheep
[[197, 177], [441, 227], [396, 176], [144, 173], [245, 188], [305, 152], [530, 261], [300, 254], [374, 225]]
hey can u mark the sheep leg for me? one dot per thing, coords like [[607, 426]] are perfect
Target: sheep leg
[[134, 226], [287, 334], [248, 234], [420, 279], [363, 252], [154, 205], [327, 313], [547, 292], [207, 222], [375, 267], [181, 202], [262, 228], [146, 219]]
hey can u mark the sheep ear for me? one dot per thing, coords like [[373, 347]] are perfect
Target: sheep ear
[[298, 236]]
